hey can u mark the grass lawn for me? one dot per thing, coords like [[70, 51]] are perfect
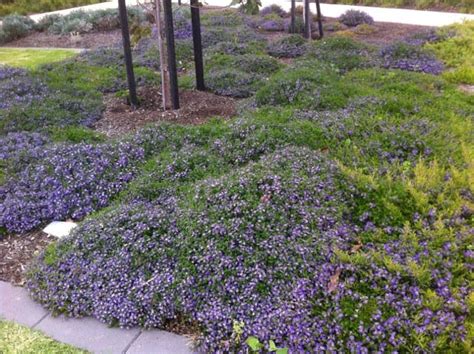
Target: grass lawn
[[19, 339], [32, 58]]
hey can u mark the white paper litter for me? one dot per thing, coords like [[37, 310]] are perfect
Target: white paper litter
[[59, 229]]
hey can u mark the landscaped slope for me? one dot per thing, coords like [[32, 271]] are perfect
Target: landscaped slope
[[335, 213]]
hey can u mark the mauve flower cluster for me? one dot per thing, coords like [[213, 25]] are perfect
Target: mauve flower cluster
[[411, 58], [273, 25], [387, 140], [268, 244], [399, 142], [69, 181], [14, 144], [273, 9], [251, 235], [17, 87], [353, 18]]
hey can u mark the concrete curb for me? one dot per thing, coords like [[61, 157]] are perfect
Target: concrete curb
[[86, 333]]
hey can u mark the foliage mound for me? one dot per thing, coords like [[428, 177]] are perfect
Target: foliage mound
[[239, 75], [456, 49], [344, 53], [287, 47], [410, 57], [353, 18], [310, 85], [25, 7], [66, 181], [273, 9], [15, 27], [266, 227]]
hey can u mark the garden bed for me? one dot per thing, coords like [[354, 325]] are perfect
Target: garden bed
[[17, 252], [196, 108], [85, 40], [333, 212]]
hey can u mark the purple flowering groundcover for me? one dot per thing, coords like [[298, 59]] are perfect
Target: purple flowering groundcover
[[268, 245]]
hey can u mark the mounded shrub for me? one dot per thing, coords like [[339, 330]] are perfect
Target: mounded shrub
[[232, 82], [411, 58], [69, 181], [254, 233], [345, 53], [18, 87], [353, 18], [249, 63], [312, 85], [15, 27], [287, 47], [273, 25], [273, 9]]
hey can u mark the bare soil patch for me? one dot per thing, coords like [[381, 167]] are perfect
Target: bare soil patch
[[196, 108], [17, 251], [86, 40]]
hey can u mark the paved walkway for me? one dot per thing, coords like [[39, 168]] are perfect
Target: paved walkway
[[410, 17], [86, 333]]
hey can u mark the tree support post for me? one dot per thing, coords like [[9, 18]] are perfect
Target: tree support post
[[307, 19], [168, 16], [293, 16], [197, 44], [320, 19], [165, 81], [127, 51]]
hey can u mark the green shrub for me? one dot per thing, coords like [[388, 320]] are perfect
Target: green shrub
[[344, 53], [291, 46], [15, 27], [232, 82], [25, 7], [313, 85], [250, 63], [457, 52]]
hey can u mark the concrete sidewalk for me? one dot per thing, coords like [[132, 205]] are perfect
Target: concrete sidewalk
[[86, 333], [410, 17]]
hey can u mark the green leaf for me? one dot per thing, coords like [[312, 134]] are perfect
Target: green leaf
[[282, 351], [272, 346], [254, 343]]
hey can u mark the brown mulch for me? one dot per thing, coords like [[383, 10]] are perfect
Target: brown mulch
[[383, 32], [17, 251], [86, 40], [196, 108], [389, 32]]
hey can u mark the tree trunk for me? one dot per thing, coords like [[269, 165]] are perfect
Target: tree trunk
[[165, 82]]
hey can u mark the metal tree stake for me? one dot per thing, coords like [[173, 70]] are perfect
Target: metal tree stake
[[197, 44], [307, 19], [127, 51]]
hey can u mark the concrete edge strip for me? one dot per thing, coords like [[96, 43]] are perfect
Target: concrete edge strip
[[40, 320], [134, 339]]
